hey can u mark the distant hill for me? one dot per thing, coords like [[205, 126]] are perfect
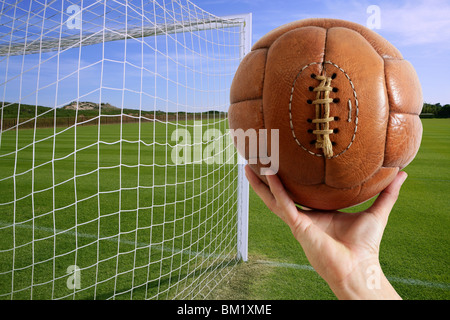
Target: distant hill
[[86, 105], [85, 108]]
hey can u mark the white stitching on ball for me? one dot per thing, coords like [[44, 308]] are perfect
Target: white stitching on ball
[[356, 109]]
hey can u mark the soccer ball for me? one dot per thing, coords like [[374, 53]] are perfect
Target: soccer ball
[[344, 101]]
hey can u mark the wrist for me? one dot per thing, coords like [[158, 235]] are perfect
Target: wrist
[[366, 282]]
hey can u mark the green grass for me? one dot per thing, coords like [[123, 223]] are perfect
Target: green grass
[[131, 206], [135, 227], [415, 250]]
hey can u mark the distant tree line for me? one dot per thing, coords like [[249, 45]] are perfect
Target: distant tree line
[[10, 110], [435, 111]]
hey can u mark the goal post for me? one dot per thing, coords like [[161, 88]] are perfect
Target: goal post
[[118, 177], [243, 185]]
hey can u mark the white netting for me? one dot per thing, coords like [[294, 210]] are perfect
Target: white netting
[[117, 176]]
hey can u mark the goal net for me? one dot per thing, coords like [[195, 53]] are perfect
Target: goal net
[[118, 179]]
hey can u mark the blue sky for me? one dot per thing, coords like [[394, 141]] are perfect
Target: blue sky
[[182, 71], [420, 29], [175, 72]]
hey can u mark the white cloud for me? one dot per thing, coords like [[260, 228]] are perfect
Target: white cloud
[[408, 22], [417, 22]]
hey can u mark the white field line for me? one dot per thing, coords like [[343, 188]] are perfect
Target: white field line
[[412, 282]]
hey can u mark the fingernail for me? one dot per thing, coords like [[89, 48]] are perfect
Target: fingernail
[[405, 175]]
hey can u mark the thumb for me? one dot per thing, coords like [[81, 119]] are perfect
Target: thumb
[[387, 198]]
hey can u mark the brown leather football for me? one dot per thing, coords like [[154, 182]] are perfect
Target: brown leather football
[[346, 105]]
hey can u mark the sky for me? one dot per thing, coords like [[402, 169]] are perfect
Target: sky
[[184, 71], [167, 71], [420, 29]]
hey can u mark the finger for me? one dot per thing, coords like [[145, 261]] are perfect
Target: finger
[[278, 191], [298, 221], [387, 198], [291, 215], [261, 189]]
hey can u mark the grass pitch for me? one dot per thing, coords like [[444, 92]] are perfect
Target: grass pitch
[[135, 227], [415, 250]]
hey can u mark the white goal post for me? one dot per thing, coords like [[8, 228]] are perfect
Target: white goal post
[[118, 178]]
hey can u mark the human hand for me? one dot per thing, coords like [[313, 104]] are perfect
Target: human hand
[[343, 248]]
